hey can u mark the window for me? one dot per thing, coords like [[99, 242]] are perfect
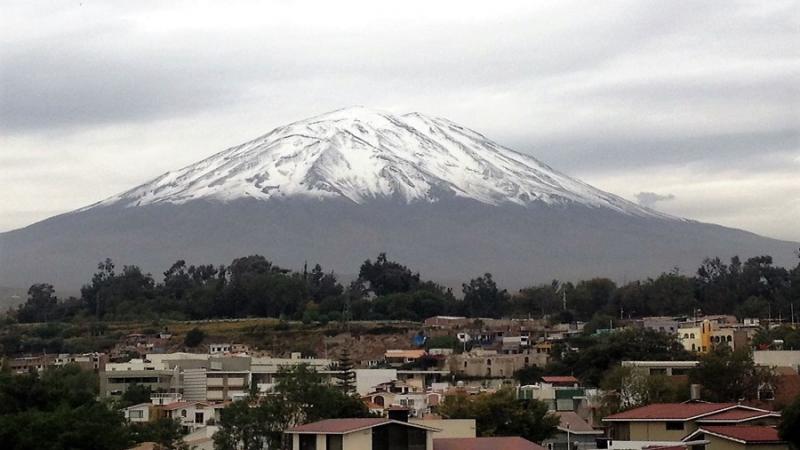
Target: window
[[333, 442], [136, 414], [308, 442], [183, 413], [674, 426], [488, 362], [198, 417], [691, 335]]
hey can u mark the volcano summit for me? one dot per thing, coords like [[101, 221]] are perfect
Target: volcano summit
[[343, 186]]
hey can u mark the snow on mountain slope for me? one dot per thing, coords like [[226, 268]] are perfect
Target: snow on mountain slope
[[362, 154]]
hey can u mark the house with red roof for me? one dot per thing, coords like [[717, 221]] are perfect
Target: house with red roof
[[674, 421], [739, 437], [362, 434]]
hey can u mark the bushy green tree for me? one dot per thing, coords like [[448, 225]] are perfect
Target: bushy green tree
[[387, 277], [163, 431], [194, 337], [501, 414], [301, 395], [789, 429], [482, 297], [57, 410], [729, 376]]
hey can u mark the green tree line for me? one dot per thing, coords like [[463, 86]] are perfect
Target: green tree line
[[386, 289]]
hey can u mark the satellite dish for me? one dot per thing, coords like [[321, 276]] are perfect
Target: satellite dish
[[463, 337]]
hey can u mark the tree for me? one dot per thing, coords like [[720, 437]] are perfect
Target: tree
[[163, 431], [529, 375], [57, 410], [387, 277], [630, 388], [194, 337], [301, 395], [729, 376], [598, 354], [789, 429], [482, 298], [501, 414], [134, 395], [345, 374], [40, 306]]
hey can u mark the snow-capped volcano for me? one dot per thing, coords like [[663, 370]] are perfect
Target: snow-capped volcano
[[361, 154], [342, 187]]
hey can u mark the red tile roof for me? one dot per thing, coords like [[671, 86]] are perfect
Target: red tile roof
[[485, 443], [560, 379], [670, 411], [179, 405], [337, 425], [746, 434], [737, 415], [344, 426]]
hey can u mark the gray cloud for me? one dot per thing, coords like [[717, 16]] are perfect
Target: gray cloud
[[107, 94], [649, 199]]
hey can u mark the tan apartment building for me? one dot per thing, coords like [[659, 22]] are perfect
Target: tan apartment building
[[490, 364]]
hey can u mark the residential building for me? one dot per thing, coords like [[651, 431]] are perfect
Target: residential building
[[449, 428], [669, 368], [37, 363], [667, 325], [398, 358], [143, 412], [567, 397], [192, 415], [739, 438], [778, 359], [572, 433], [202, 377], [490, 364], [674, 421], [362, 434]]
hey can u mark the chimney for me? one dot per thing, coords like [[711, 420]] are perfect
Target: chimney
[[694, 391]]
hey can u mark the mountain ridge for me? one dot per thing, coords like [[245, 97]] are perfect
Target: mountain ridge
[[359, 153]]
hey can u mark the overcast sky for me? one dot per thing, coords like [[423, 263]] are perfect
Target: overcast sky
[[692, 108]]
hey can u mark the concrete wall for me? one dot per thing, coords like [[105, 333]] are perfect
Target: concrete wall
[[657, 431], [777, 358], [361, 440], [451, 428]]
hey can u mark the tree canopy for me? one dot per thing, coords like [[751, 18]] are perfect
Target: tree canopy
[[501, 414]]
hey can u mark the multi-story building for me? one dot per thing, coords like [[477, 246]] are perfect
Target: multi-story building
[[490, 364], [202, 377], [37, 363]]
